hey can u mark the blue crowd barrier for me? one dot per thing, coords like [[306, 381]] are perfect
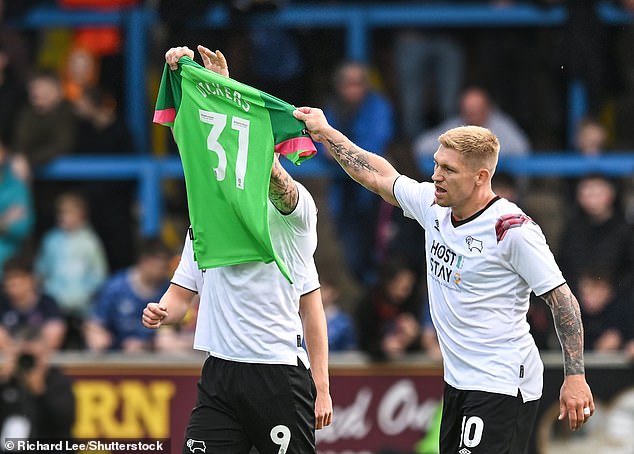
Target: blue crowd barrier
[[357, 19], [150, 172]]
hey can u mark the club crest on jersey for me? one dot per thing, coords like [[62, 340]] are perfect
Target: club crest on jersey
[[473, 244], [457, 278], [196, 445]]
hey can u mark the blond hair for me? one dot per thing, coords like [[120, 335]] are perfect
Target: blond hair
[[478, 146]]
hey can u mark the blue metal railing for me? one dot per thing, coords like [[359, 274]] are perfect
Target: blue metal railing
[[150, 171]]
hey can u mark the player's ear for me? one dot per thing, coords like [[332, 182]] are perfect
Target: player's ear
[[482, 176]]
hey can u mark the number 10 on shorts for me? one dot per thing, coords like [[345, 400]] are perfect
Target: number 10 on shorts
[[471, 432]]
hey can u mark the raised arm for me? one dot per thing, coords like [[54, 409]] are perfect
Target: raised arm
[[368, 169], [575, 394]]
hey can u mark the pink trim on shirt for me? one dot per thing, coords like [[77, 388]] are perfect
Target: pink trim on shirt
[[164, 115], [305, 144]]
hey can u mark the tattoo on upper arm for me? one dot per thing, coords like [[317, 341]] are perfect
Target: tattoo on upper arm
[[283, 191], [350, 158], [567, 318]]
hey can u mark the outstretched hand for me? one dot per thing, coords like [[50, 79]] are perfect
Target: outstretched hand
[[214, 61], [315, 120], [175, 53]]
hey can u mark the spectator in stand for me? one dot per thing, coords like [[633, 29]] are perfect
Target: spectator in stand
[[476, 109], [102, 131], [80, 73], [418, 58], [115, 320], [72, 264], [605, 318], [16, 211], [591, 138], [340, 326], [36, 399], [386, 323], [11, 95], [46, 125], [597, 235], [24, 306], [366, 117]]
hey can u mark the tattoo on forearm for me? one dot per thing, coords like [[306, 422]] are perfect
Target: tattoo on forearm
[[350, 158], [283, 191], [567, 318]]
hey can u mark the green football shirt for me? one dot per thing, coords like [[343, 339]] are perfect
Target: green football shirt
[[226, 134]]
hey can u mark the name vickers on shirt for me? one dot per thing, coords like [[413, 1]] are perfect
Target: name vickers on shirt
[[216, 89], [441, 259]]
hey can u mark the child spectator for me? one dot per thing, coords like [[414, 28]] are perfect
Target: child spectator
[[23, 306], [605, 319], [115, 321], [72, 264], [387, 326]]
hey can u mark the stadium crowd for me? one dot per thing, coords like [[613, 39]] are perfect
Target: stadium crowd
[[67, 260]]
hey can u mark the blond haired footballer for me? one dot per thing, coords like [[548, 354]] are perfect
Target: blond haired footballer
[[484, 256]]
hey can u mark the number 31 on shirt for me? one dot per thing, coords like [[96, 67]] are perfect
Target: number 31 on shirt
[[218, 123]]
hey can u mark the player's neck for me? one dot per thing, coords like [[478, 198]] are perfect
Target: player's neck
[[472, 206]]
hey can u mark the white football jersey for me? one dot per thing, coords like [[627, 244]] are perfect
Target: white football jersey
[[480, 272], [250, 312]]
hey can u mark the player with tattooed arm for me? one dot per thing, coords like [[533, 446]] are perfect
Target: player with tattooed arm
[[484, 256], [256, 387]]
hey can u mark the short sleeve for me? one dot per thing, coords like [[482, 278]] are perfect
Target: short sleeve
[[185, 274], [525, 248], [311, 283], [414, 198]]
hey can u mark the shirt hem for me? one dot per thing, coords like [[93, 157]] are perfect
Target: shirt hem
[[288, 362], [507, 392]]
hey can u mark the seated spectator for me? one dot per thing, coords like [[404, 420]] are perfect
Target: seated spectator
[[341, 329], [605, 319], [45, 127], [36, 398], [115, 320], [387, 327], [24, 306], [597, 235], [72, 264], [80, 73], [591, 137], [16, 210], [476, 109], [367, 118]]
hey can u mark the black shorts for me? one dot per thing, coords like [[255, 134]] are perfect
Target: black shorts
[[478, 422], [241, 405]]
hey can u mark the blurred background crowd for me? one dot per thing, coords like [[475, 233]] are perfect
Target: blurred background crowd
[[75, 267]]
